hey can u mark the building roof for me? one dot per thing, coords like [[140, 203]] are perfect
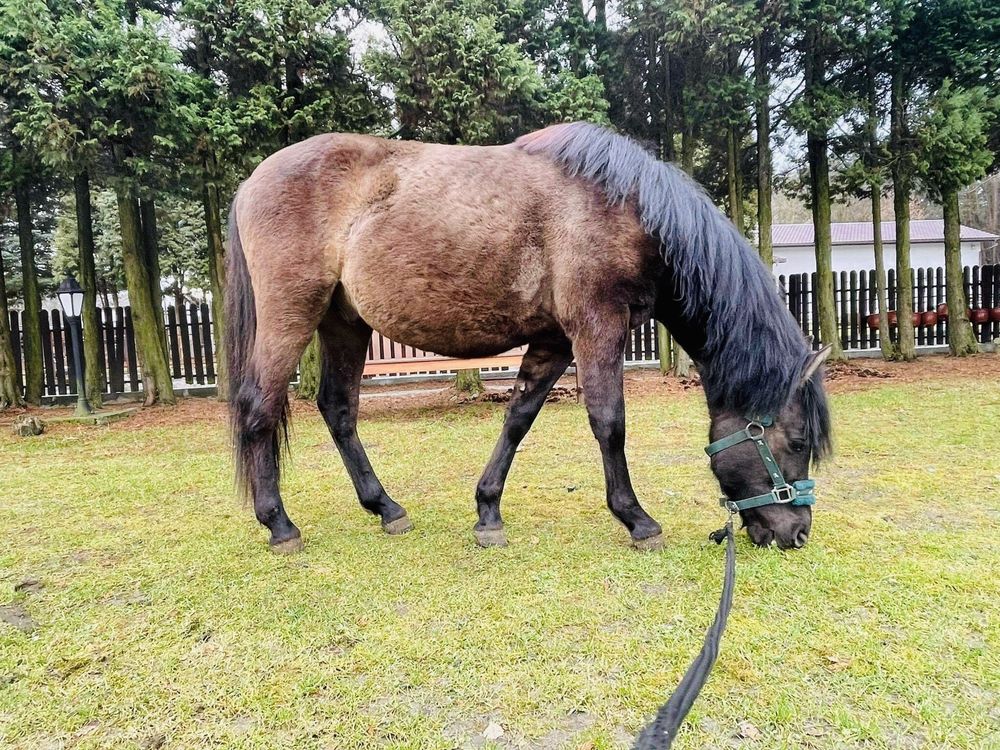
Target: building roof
[[860, 233]]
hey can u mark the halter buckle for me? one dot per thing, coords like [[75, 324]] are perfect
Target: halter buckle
[[750, 430], [784, 494]]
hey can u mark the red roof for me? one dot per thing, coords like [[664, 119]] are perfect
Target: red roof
[[860, 233]]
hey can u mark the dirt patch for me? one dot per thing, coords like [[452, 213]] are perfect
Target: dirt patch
[[557, 394], [17, 616], [845, 370]]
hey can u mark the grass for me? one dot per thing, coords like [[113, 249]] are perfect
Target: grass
[[162, 620]]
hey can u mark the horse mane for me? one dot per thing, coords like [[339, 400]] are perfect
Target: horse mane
[[754, 353]]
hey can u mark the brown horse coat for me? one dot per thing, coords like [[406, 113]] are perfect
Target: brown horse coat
[[563, 241], [431, 246]]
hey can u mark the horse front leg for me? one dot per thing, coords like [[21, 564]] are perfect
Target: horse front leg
[[541, 367], [600, 352]]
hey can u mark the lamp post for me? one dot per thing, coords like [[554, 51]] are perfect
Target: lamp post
[[70, 295]]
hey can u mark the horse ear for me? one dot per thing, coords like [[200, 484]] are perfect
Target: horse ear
[[815, 362]]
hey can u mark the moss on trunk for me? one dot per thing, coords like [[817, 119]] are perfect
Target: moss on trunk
[[906, 343], [10, 390], [469, 381], [93, 370], [31, 330], [309, 371], [147, 319], [217, 280], [961, 336], [881, 294]]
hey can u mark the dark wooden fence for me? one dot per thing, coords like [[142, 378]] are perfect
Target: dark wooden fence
[[191, 347], [856, 302], [189, 343]]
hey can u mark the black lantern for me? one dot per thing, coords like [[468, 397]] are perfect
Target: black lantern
[[70, 295]]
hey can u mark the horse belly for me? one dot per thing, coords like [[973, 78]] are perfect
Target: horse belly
[[446, 289]]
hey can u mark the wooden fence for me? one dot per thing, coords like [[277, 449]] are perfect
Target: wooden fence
[[190, 342], [857, 305]]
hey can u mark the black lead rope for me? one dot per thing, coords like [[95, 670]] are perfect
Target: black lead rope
[[659, 735]]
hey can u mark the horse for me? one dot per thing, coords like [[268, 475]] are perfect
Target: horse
[[563, 241]]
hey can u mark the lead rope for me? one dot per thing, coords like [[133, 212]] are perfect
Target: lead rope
[[659, 735]]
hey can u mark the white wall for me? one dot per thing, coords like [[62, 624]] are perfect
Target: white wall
[[802, 259]]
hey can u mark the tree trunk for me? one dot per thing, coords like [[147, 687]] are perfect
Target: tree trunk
[[217, 280], [871, 131], [309, 371], [961, 336], [147, 318], [765, 245], [881, 295], [733, 180], [819, 186], [817, 147], [682, 362], [151, 254], [663, 343], [10, 391], [578, 33], [469, 381], [34, 374], [668, 150], [93, 367], [906, 347]]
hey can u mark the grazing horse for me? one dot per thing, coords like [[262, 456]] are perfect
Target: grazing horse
[[564, 241]]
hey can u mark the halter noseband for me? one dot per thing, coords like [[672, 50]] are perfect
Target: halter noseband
[[799, 492]]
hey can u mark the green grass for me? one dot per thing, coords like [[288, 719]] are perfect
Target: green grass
[[163, 618]]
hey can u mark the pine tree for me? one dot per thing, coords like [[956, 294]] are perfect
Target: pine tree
[[825, 31]]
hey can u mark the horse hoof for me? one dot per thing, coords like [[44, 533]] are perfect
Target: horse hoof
[[398, 526], [649, 544], [491, 537], [288, 547]]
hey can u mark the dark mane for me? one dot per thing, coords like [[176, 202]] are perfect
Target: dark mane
[[754, 353]]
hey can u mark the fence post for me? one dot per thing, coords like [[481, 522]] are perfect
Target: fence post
[[196, 351], [130, 357]]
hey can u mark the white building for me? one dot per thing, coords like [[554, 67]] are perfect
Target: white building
[[853, 246]]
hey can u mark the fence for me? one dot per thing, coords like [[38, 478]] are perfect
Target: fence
[[856, 304], [190, 341]]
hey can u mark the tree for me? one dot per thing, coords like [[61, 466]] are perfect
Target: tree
[[952, 137], [904, 53], [866, 177], [766, 47], [144, 109], [825, 38], [960, 59], [63, 100], [10, 390], [454, 77], [18, 18]]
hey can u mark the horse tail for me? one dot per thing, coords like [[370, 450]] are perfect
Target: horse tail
[[240, 334]]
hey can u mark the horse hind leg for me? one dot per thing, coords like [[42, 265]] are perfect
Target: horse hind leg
[[344, 345], [267, 329]]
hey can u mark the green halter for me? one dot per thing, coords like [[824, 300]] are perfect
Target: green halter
[[796, 493]]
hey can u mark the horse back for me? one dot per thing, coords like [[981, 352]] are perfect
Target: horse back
[[462, 250]]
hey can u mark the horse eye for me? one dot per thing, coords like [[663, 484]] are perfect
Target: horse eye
[[797, 446]]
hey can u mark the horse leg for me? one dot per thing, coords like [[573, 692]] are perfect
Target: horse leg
[[541, 367], [599, 352], [344, 346], [261, 413]]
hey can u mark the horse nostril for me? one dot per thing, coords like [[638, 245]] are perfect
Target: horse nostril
[[801, 538]]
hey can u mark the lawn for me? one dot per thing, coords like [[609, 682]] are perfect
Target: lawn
[[161, 619]]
